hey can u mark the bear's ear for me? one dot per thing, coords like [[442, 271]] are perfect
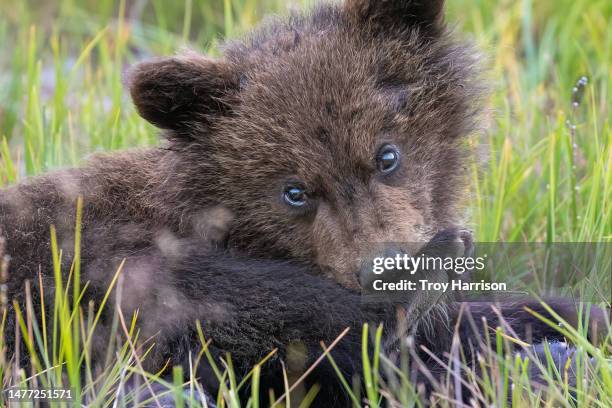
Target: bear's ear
[[428, 15], [182, 93]]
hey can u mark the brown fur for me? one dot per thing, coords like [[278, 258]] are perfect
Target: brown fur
[[308, 99], [311, 99]]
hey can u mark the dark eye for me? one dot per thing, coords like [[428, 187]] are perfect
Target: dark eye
[[295, 196], [387, 159]]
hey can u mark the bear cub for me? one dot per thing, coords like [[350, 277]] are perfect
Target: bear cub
[[284, 162]]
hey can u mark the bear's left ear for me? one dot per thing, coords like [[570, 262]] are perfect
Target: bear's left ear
[[428, 15], [182, 93]]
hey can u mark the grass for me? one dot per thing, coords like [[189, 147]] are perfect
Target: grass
[[546, 177]]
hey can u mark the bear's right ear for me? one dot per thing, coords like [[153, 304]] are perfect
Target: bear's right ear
[[182, 93], [428, 15]]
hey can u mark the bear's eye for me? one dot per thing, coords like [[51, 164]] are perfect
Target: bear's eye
[[387, 159], [294, 195]]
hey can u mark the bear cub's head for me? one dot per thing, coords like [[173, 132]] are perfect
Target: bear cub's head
[[324, 133]]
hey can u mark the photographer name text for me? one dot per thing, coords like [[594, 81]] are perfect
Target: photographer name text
[[426, 285]]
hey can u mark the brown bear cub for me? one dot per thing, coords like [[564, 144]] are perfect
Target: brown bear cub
[[285, 160]]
